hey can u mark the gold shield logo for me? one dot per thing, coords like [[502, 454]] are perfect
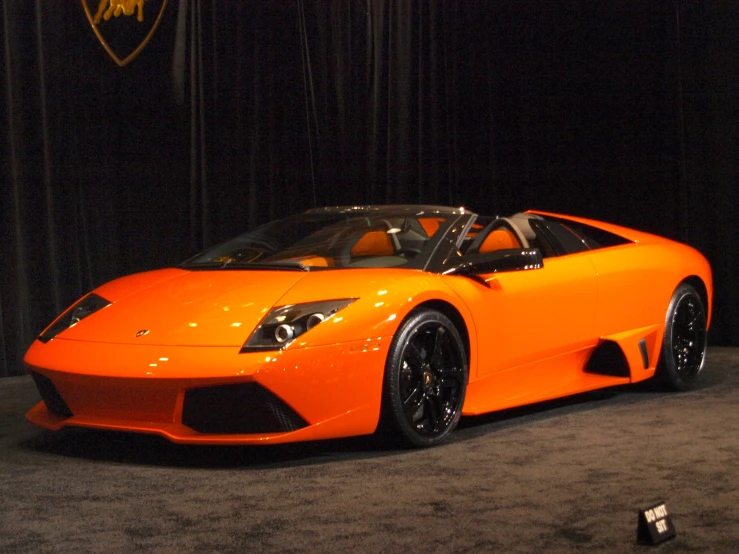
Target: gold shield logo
[[124, 27]]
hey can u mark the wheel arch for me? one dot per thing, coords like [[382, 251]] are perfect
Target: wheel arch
[[700, 287], [450, 311], [389, 426], [678, 369]]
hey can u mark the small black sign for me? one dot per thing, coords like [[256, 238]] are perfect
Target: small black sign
[[654, 525]]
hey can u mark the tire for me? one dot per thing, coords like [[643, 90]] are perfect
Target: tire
[[425, 381], [684, 343]]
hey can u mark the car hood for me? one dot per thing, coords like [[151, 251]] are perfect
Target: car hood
[[177, 307]]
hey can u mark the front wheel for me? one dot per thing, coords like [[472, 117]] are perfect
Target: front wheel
[[684, 343], [425, 381]]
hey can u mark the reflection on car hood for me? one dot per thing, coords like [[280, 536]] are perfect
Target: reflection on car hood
[[208, 308]]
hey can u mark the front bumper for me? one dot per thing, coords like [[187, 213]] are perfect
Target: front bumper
[[210, 395]]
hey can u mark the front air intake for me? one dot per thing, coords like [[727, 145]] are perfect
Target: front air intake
[[51, 397], [246, 408]]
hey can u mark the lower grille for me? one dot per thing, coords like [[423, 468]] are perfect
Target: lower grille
[[51, 397], [246, 408]]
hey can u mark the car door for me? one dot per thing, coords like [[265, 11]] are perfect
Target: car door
[[533, 324], [530, 315]]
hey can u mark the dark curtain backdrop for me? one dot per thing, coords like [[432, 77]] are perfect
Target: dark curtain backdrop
[[240, 111]]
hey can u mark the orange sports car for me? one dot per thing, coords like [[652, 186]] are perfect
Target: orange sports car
[[390, 319]]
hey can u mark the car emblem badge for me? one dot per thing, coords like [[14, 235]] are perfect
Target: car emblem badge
[[121, 26], [142, 333]]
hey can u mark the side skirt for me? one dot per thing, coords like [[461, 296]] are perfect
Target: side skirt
[[617, 359]]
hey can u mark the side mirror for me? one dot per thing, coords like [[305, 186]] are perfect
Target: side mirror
[[513, 259]]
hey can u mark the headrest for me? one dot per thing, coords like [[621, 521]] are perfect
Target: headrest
[[373, 243], [499, 239], [521, 221]]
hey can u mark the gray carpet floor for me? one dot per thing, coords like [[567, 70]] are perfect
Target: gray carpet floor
[[564, 476]]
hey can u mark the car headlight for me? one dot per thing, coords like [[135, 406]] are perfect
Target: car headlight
[[283, 325], [88, 305]]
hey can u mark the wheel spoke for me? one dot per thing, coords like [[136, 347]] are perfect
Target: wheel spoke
[[449, 373], [415, 412], [436, 344], [415, 397], [440, 343], [416, 355], [448, 383], [434, 412]]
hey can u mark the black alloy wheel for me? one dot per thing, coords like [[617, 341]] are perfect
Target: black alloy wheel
[[684, 343], [425, 381]]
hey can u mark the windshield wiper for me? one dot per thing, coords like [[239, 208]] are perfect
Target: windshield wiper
[[290, 266], [287, 266]]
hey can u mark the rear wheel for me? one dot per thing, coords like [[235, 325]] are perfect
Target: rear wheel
[[684, 343], [425, 381]]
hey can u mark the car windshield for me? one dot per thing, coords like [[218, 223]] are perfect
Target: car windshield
[[327, 239]]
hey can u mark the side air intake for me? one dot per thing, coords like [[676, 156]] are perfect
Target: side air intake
[[608, 359]]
